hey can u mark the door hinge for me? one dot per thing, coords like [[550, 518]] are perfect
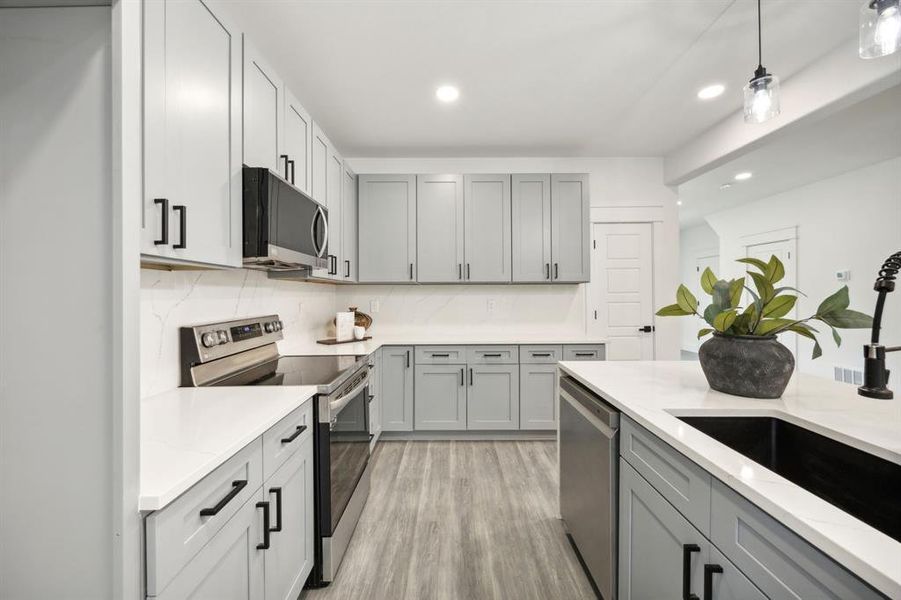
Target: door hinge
[[594, 244], [595, 315]]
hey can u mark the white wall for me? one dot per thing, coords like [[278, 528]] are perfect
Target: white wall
[[694, 242], [850, 221], [621, 189], [171, 299]]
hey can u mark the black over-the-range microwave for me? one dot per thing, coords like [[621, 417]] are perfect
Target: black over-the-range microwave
[[284, 229]]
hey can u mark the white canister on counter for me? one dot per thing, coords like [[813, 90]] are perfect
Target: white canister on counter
[[359, 332], [344, 326]]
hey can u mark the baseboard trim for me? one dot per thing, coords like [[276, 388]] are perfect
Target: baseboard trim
[[467, 436]]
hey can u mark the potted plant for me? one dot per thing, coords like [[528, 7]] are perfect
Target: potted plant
[[744, 356]]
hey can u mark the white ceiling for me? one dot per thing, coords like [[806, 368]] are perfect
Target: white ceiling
[[820, 147], [537, 78]]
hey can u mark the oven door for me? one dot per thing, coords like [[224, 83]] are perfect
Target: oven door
[[344, 422]]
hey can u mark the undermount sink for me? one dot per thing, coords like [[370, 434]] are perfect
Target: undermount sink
[[863, 485]]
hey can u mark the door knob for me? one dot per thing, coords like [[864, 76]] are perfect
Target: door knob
[[646, 328]]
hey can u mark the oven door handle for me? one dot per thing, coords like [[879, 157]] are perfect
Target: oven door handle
[[336, 406]]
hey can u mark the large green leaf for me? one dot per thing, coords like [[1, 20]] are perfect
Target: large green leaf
[[686, 300], [836, 337], [743, 322], [711, 312], [704, 332], [768, 326], [721, 295], [804, 330], [775, 270], [788, 288], [724, 320], [764, 287], [673, 310], [708, 279], [847, 319], [735, 289], [754, 262], [779, 306], [836, 302]]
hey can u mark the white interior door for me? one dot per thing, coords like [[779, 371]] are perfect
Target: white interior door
[[621, 289], [785, 251]]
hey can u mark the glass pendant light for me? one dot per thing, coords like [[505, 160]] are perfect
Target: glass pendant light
[[880, 28], [762, 92]]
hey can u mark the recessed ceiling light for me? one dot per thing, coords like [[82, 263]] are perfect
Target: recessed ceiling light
[[678, 203], [711, 91], [743, 176], [725, 186], [447, 93]]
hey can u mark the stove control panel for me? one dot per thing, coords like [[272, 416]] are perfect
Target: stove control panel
[[205, 343]]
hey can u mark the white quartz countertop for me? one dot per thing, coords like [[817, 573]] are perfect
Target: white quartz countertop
[[310, 347], [187, 432], [653, 393]]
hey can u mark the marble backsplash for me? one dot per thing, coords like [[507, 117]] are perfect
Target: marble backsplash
[[171, 299]]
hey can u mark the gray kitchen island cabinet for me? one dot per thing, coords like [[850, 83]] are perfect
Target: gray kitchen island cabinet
[[387, 228], [492, 397], [440, 398], [439, 228], [488, 230], [397, 388]]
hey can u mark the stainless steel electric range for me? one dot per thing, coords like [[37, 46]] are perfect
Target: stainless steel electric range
[[244, 352]]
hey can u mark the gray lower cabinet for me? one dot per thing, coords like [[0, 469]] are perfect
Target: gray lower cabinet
[[487, 215], [538, 396], [492, 400], [726, 581], [655, 543], [230, 566], [387, 228], [439, 228], [440, 397], [375, 397], [570, 236], [397, 388]]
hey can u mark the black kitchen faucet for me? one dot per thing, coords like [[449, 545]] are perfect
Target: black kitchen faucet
[[875, 375]]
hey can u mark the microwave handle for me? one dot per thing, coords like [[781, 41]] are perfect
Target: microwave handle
[[319, 215]]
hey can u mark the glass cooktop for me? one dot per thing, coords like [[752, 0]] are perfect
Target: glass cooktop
[[294, 370]]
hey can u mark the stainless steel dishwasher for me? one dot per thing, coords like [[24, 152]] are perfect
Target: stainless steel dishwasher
[[589, 476]]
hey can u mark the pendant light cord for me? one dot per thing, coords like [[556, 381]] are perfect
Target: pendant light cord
[[759, 38]]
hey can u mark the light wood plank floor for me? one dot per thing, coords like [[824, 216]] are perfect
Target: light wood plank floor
[[460, 520]]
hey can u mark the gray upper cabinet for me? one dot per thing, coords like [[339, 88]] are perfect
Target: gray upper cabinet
[[192, 158], [439, 228], [319, 153], [570, 237], [349, 225], [263, 113], [334, 193], [440, 397], [538, 396], [297, 149], [397, 388], [531, 227], [487, 213], [652, 543], [387, 228], [492, 400]]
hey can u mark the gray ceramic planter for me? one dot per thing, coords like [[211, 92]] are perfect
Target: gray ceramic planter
[[744, 365]]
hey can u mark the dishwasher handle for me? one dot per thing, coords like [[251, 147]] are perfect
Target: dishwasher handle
[[590, 405]]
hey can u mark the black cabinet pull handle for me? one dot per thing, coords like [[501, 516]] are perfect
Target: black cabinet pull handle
[[183, 225], [164, 224], [709, 570], [556, 270], [470, 377], [300, 429], [440, 355], [278, 509], [547, 270], [265, 544], [347, 268], [687, 550], [541, 354], [371, 397], [459, 271], [237, 486], [291, 164], [492, 355], [284, 157], [468, 274], [411, 271], [584, 353], [462, 378], [408, 359]]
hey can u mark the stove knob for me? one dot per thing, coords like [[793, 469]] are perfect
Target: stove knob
[[279, 325], [268, 327], [209, 339], [223, 337]]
